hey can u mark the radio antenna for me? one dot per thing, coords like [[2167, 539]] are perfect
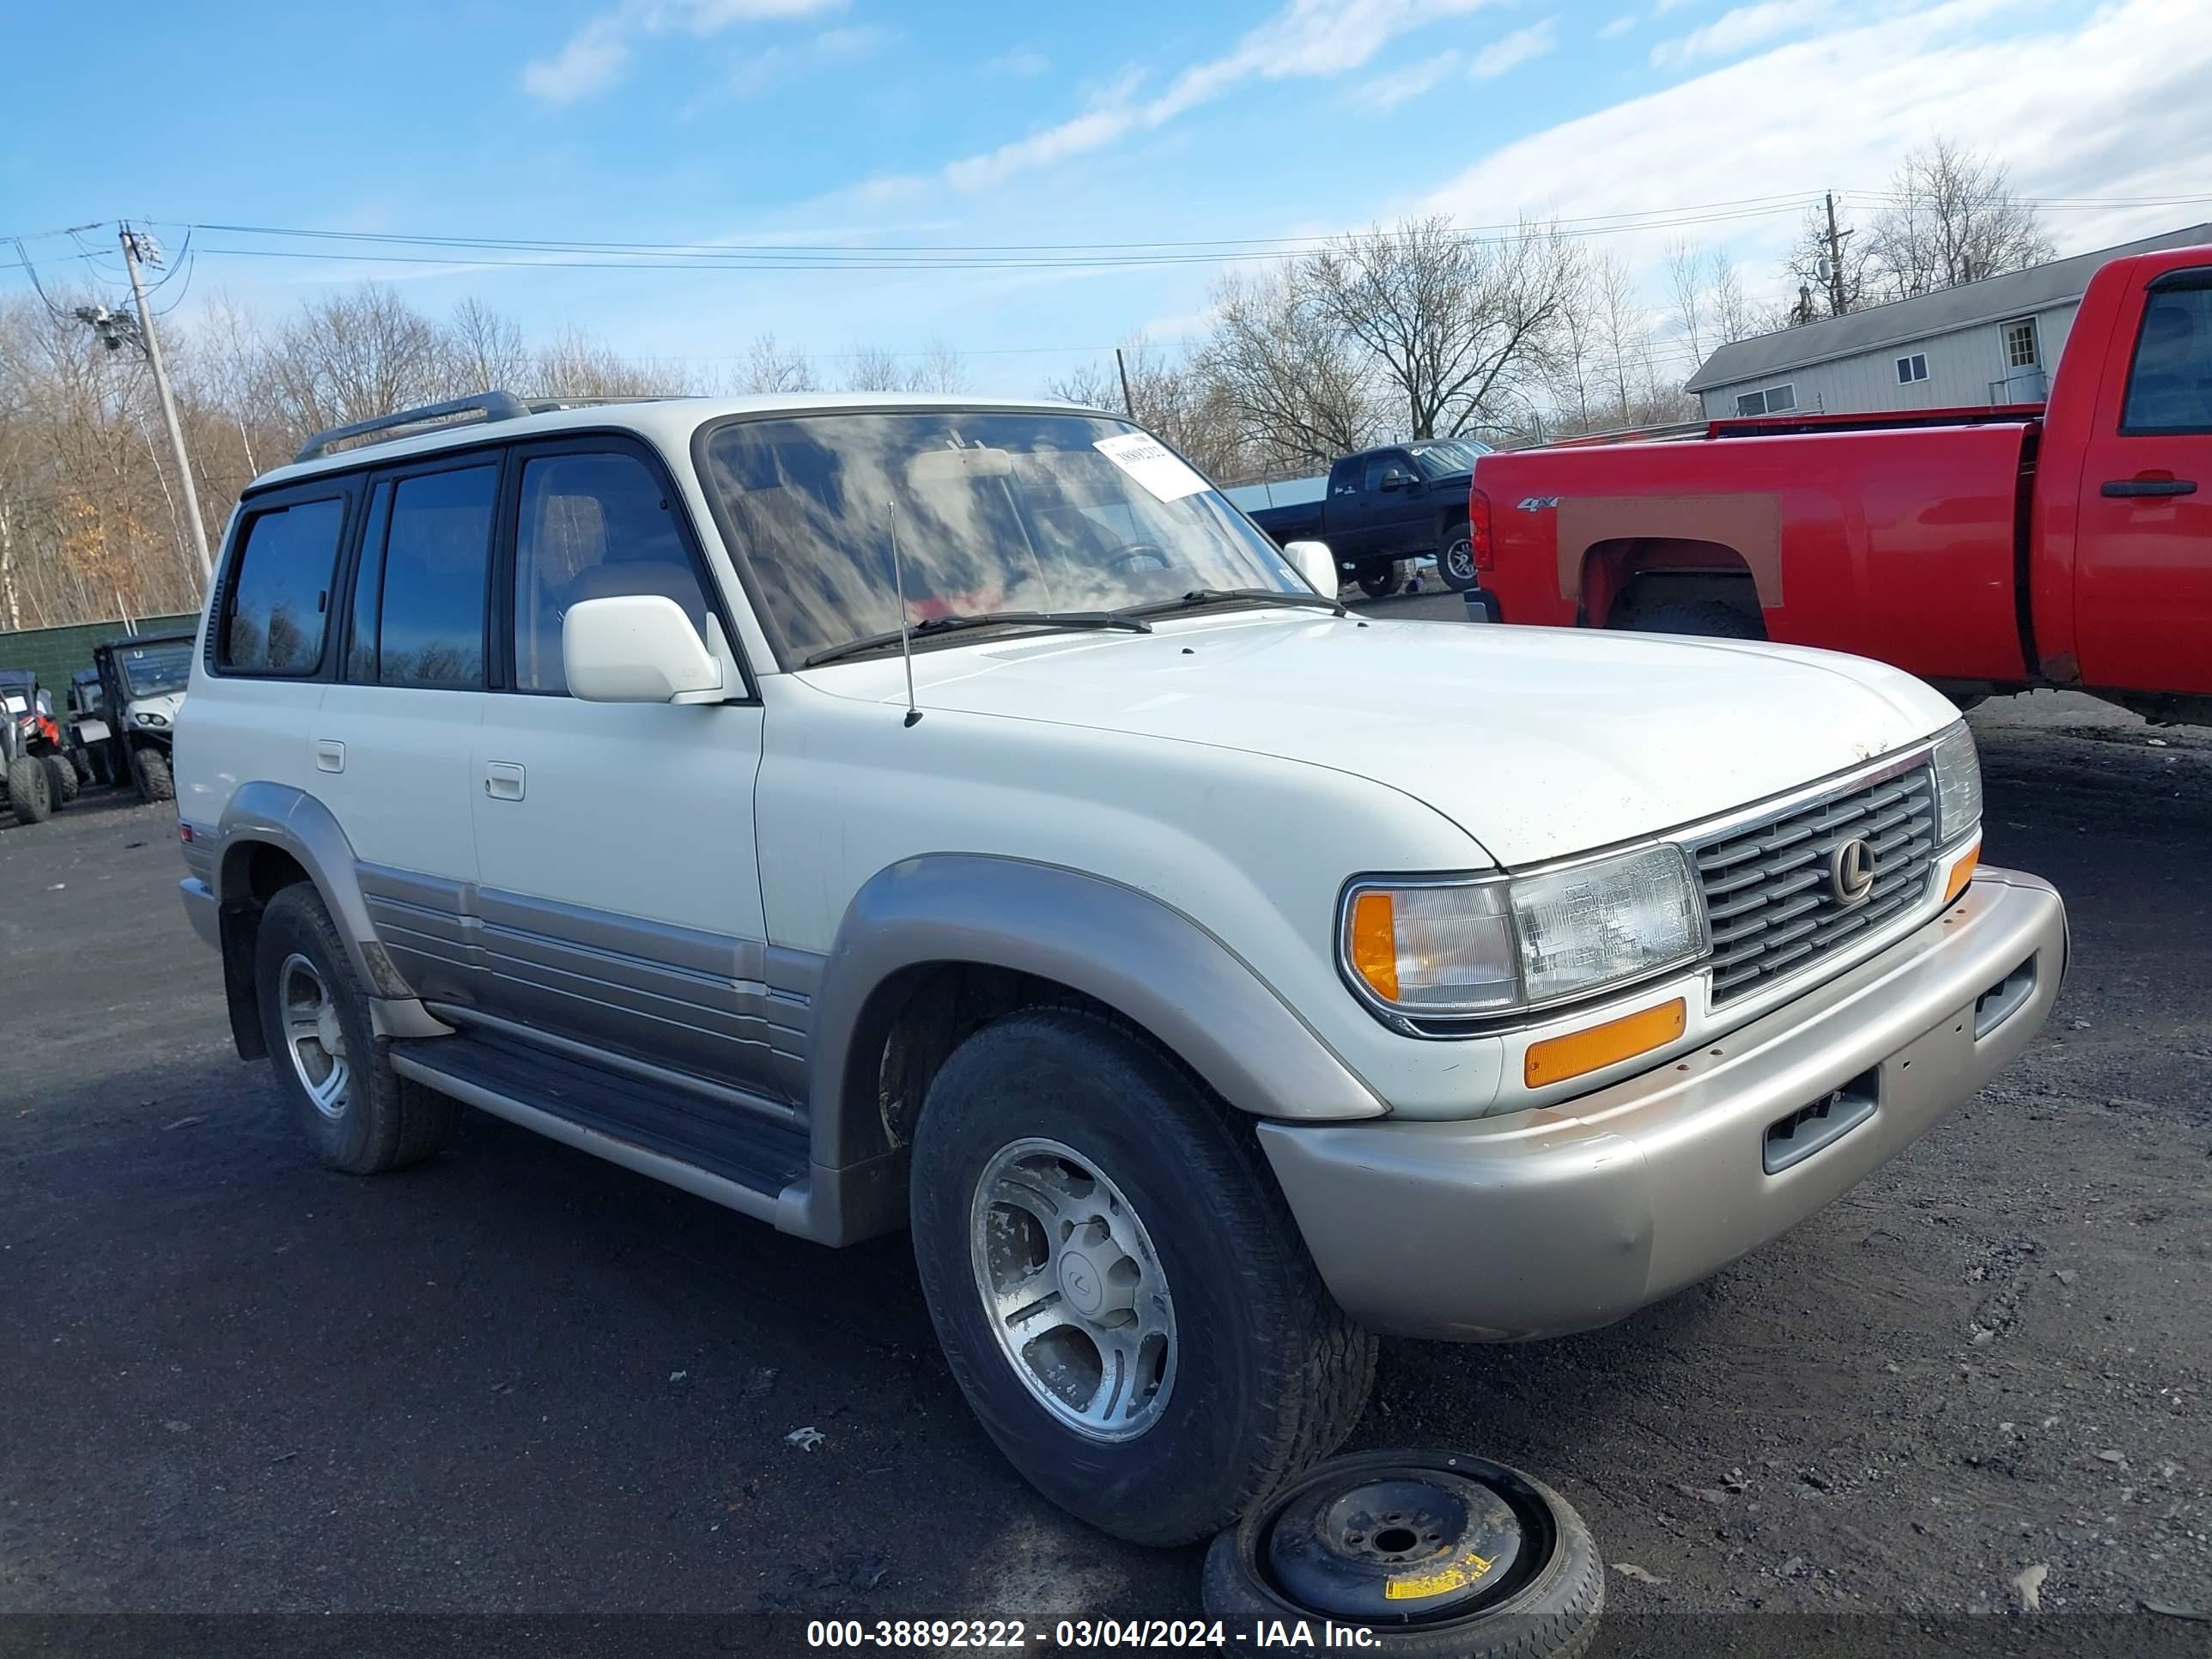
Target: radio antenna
[[906, 639]]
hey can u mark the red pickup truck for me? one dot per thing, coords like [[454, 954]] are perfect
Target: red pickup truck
[[2066, 543]]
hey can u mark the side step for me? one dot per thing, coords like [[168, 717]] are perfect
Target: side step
[[718, 1151]]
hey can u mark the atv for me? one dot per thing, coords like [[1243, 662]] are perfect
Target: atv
[[35, 770], [142, 681]]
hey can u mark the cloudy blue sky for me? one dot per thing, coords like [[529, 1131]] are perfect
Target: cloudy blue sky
[[796, 124]]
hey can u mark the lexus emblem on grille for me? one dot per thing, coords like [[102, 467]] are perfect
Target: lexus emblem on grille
[[1851, 872]]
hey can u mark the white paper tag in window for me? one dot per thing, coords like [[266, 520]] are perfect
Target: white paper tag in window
[[1152, 465]]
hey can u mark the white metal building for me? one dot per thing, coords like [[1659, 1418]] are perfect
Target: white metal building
[[1992, 342]]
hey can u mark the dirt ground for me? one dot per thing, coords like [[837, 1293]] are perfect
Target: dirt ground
[[519, 1381]]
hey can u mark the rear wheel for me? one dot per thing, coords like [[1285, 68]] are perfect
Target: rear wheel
[[1119, 1288], [149, 770], [1382, 578], [30, 789], [361, 1116], [1708, 617], [1455, 559], [63, 772]]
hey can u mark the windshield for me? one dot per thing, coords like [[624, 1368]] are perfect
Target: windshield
[[1443, 459], [150, 670], [996, 511]]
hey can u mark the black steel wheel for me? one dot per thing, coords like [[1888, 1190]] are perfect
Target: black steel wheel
[[1381, 579], [1436, 1553]]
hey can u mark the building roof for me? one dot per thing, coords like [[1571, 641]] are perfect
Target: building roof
[[1946, 310]]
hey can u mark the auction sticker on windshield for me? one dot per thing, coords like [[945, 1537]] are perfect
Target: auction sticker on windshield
[[1152, 465]]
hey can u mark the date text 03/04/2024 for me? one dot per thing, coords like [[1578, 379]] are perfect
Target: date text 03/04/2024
[[1072, 1634]]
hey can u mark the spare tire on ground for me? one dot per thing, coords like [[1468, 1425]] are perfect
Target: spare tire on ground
[[1436, 1553]]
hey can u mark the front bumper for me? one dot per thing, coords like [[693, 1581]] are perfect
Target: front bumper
[[202, 910], [1557, 1220]]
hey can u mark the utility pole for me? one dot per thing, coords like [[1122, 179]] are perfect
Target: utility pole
[[1835, 260], [1128, 403], [130, 255]]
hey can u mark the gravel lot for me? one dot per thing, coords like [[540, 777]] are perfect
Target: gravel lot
[[521, 1380]]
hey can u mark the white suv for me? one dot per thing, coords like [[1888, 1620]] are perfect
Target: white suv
[[1199, 1014]]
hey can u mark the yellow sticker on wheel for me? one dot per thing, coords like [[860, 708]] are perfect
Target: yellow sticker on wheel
[[1418, 1586]]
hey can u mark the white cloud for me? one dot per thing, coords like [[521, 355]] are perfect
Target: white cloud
[[1021, 63], [1508, 53], [2108, 108], [1389, 91], [595, 56], [1307, 40], [1743, 29], [776, 66], [1618, 27]]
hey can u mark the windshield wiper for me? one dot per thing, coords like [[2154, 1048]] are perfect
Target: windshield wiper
[[1199, 597], [936, 626]]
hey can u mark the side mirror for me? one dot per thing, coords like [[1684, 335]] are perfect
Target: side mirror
[[1313, 560], [636, 647], [1394, 479]]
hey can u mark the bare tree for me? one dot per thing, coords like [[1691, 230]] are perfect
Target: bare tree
[[1457, 328], [1953, 218], [575, 365], [355, 355], [485, 350], [1299, 390], [1171, 395], [1812, 266], [771, 365]]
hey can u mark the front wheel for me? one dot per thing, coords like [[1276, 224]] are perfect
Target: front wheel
[[149, 770], [1118, 1286], [30, 789], [1380, 580], [63, 772], [1456, 560]]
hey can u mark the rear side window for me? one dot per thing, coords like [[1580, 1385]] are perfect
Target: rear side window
[[437, 557], [280, 590], [2170, 383]]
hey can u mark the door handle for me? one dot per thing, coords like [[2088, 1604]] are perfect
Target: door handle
[[330, 755], [2125, 488], [503, 780]]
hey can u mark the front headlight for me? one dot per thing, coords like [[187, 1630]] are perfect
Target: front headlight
[[147, 717], [1496, 945], [1958, 785]]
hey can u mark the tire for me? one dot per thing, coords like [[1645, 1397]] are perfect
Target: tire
[[1708, 617], [1456, 560], [63, 771], [376, 1120], [149, 770], [1552, 1614], [30, 789], [1263, 1374], [1379, 580]]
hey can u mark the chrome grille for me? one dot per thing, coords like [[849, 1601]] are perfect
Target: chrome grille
[[1769, 898]]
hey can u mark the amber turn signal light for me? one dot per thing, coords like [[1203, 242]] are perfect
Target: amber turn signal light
[[1375, 944], [1963, 870], [1557, 1059]]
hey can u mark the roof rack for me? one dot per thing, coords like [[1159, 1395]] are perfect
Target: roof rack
[[485, 406]]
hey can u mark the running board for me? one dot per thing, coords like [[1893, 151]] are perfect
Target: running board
[[728, 1157]]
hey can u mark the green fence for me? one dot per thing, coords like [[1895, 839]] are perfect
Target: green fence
[[55, 653]]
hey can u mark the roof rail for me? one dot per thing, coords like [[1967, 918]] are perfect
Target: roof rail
[[485, 405], [546, 405]]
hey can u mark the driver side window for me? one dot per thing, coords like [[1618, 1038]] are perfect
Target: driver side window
[[593, 526]]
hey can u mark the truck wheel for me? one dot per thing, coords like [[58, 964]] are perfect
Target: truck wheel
[[1118, 1286], [63, 772], [1323, 1547], [30, 789], [1456, 560], [361, 1116], [1381, 580], [1707, 617], [149, 770]]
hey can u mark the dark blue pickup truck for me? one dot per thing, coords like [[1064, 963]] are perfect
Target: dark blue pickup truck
[[1385, 507]]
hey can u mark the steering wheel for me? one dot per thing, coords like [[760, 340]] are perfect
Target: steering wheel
[[1129, 553]]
